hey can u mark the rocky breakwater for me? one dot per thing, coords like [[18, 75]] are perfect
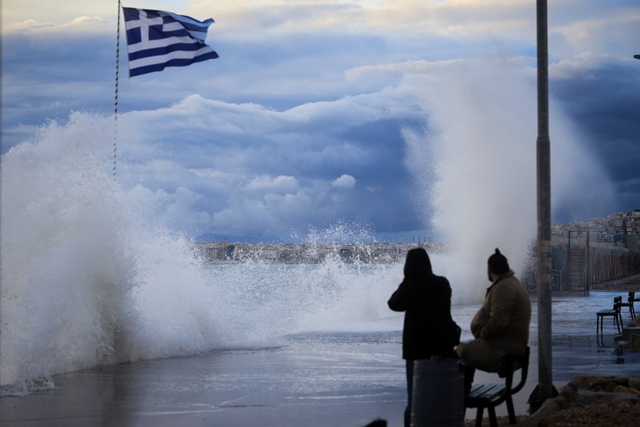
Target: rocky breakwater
[[591, 401]]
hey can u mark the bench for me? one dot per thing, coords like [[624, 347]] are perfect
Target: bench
[[491, 395], [612, 312], [630, 299]]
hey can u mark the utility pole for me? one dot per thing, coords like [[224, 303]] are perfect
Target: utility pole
[[545, 389]]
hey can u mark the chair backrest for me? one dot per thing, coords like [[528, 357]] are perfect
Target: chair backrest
[[508, 367], [616, 302], [510, 364], [632, 297], [521, 363]]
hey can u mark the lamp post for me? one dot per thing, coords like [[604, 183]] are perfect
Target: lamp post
[[545, 389]]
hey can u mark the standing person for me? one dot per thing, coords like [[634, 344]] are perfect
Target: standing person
[[501, 326], [428, 329]]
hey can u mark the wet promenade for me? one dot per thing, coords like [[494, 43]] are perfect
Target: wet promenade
[[320, 379], [577, 348]]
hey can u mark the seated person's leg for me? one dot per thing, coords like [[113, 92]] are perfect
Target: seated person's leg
[[480, 355], [469, 372], [477, 354]]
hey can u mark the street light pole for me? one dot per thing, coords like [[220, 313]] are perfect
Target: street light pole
[[545, 389]]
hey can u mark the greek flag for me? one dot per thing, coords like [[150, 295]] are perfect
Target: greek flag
[[158, 39]]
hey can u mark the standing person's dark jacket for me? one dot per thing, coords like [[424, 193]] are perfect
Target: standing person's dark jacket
[[429, 329]]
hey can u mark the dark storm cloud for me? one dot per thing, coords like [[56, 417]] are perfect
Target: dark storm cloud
[[45, 77], [300, 121], [335, 169], [602, 94]]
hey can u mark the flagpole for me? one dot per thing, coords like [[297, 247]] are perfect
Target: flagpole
[[115, 103]]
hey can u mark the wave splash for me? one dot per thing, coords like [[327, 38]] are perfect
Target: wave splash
[[89, 279], [84, 283], [474, 165]]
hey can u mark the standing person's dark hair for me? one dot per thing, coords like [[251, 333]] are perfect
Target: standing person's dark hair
[[429, 329]]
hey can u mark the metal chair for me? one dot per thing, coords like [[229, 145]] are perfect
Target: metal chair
[[491, 395], [629, 303], [613, 312]]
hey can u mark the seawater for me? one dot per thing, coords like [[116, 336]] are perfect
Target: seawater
[[168, 304], [267, 300]]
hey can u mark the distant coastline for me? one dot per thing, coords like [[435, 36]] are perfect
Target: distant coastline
[[310, 253], [616, 232]]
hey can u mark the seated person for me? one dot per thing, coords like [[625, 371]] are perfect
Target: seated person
[[501, 326]]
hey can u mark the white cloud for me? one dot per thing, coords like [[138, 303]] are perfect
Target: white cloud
[[345, 181]]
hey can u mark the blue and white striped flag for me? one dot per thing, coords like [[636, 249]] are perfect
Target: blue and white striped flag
[[158, 39]]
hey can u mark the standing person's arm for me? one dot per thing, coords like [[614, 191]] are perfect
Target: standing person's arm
[[399, 299]]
